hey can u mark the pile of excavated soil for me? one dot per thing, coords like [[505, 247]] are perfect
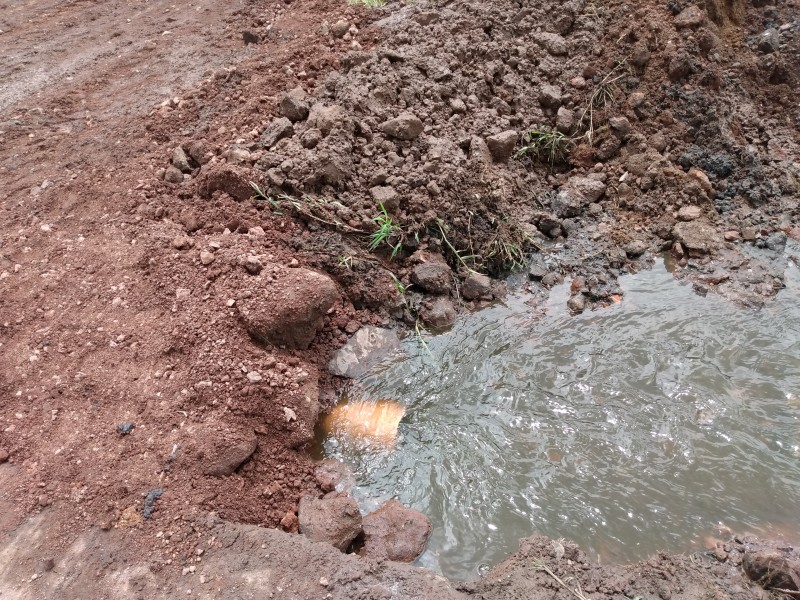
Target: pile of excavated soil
[[166, 330]]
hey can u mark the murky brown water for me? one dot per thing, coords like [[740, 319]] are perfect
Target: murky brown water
[[629, 430]]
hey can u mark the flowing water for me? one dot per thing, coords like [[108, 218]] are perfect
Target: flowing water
[[632, 429]]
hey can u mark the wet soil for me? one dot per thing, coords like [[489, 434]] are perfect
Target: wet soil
[[126, 374]]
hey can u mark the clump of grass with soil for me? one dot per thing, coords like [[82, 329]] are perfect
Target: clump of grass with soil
[[388, 233], [545, 146]]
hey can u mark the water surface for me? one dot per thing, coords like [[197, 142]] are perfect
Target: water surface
[[636, 428]]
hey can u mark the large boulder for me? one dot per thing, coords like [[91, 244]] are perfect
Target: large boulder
[[363, 351], [395, 532], [290, 310], [336, 521]]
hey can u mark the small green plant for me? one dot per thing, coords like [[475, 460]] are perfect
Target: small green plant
[[543, 145], [368, 3], [460, 256], [399, 285], [388, 233]]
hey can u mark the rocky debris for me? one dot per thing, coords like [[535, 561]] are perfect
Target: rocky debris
[[336, 521], [567, 203], [698, 237], [405, 126], [439, 313], [620, 125], [253, 265], [250, 37], [237, 155], [433, 276], [565, 120], [182, 242], [274, 132], [732, 236], [550, 96], [230, 452], [325, 118], [198, 152], [150, 502], [340, 28], [769, 41], [233, 180], [552, 42], [173, 175], [635, 248], [206, 257], [577, 303], [479, 150], [293, 105], [181, 161], [125, 428], [4, 456], [333, 475], [476, 286], [363, 351], [290, 523], [386, 196], [395, 532], [501, 145], [690, 17], [689, 213], [288, 311], [773, 568]]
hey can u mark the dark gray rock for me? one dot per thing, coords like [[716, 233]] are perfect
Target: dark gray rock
[[769, 41], [476, 286], [336, 521], [276, 131], [293, 105], [635, 248], [550, 96], [180, 160], [439, 313], [395, 532], [433, 277], [363, 351]]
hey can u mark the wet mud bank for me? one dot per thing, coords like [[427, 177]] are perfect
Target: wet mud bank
[[195, 222]]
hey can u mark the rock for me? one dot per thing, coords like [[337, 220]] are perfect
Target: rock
[[439, 314], [181, 161], [290, 522], [566, 204], [702, 179], [293, 105], [479, 150], [340, 28], [577, 303], [230, 179], [311, 137], [275, 131], [230, 454], [457, 106], [749, 234], [565, 120], [680, 67], [476, 286], [620, 126], [363, 351], [250, 37], [552, 42], [769, 41], [325, 118], [403, 127], [550, 96], [253, 265], [537, 272], [198, 151], [690, 17], [426, 18], [732, 236], [4, 455], [776, 242], [395, 532], [635, 248], [290, 310], [332, 475], [689, 213], [591, 189], [551, 279], [182, 242], [697, 237], [501, 145], [173, 175], [237, 155], [773, 568], [434, 277], [386, 196], [207, 257], [336, 521]]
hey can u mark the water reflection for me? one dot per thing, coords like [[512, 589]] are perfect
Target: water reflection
[[629, 430]]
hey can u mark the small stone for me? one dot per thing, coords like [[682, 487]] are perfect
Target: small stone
[[340, 28], [439, 314], [552, 42], [238, 156], [254, 376], [4, 455], [635, 248], [256, 231], [207, 257], [578, 83], [323, 582], [577, 303], [405, 126], [173, 175], [386, 196], [433, 277], [293, 105], [537, 272], [769, 41], [276, 131], [476, 286], [690, 17], [501, 145], [689, 213], [181, 161], [550, 96], [125, 428], [250, 37], [732, 236], [749, 234], [253, 265], [364, 350], [310, 138], [457, 106], [395, 532], [231, 454], [565, 120], [182, 293], [333, 520], [620, 125], [551, 279], [182, 242], [698, 237], [289, 522]]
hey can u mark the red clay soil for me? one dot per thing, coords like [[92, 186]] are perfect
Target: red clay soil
[[128, 379]]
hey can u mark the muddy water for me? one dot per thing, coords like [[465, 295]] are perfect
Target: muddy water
[[637, 428]]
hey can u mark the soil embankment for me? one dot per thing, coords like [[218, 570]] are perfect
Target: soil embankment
[[136, 361]]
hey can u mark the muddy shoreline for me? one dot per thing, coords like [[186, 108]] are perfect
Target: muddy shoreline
[[169, 326]]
